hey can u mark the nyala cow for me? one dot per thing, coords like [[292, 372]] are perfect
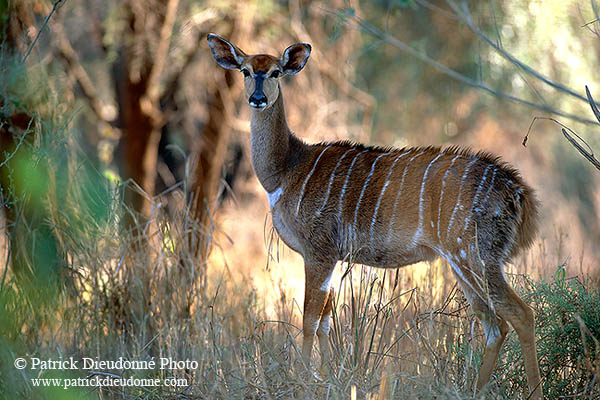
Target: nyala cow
[[388, 208]]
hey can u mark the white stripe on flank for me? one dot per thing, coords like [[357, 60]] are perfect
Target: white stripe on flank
[[308, 177], [274, 196], [462, 182], [479, 189], [383, 189], [331, 178], [489, 191], [442, 194], [346, 181], [419, 231], [389, 235], [364, 188]]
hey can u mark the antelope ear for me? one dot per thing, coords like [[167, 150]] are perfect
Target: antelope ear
[[227, 55], [294, 58]]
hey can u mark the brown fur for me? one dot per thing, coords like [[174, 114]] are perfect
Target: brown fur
[[389, 208]]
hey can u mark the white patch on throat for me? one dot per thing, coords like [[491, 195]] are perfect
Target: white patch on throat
[[274, 196]]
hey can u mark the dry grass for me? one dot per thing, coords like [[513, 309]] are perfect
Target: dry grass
[[396, 333]]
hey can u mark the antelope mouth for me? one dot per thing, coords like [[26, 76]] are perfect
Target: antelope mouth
[[258, 106]]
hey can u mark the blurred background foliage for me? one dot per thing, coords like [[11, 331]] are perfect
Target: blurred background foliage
[[125, 160]]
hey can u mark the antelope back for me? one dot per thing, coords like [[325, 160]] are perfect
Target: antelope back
[[389, 206]]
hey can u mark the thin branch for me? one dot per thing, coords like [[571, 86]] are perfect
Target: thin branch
[[162, 50], [597, 15], [367, 27], [592, 103], [67, 53], [435, 8], [7, 157], [465, 16], [173, 83], [589, 155], [54, 8], [149, 101], [519, 72], [590, 23]]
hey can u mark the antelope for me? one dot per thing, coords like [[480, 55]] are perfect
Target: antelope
[[389, 208]]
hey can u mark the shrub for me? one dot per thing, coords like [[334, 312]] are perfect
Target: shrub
[[568, 339]]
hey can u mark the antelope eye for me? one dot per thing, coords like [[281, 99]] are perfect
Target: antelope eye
[[275, 74], [246, 72]]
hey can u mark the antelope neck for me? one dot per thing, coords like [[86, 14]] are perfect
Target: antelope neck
[[271, 143]]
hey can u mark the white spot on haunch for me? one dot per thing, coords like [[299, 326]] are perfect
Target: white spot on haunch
[[274, 196], [458, 240], [463, 254]]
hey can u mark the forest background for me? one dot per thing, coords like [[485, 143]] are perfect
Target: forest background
[[134, 225]]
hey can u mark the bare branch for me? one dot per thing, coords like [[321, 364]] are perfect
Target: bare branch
[[535, 119], [465, 16], [570, 135], [592, 103], [435, 8], [67, 53], [589, 155], [160, 57], [174, 81], [149, 101], [597, 15], [369, 28], [54, 8]]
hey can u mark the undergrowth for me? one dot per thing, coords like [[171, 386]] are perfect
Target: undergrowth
[[568, 330]]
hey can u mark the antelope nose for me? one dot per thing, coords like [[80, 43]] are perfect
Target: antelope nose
[[258, 100]]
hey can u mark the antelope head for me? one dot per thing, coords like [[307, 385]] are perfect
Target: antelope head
[[261, 71]]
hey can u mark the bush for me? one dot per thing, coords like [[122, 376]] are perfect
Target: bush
[[568, 339]]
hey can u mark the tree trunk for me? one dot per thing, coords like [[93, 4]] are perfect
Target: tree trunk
[[208, 165]]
